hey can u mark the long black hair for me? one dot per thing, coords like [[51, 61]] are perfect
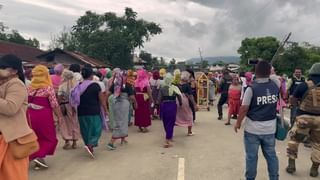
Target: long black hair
[[12, 61]]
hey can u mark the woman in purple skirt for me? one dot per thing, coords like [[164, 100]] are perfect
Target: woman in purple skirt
[[168, 107]]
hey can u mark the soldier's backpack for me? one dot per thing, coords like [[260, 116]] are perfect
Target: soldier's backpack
[[311, 100]]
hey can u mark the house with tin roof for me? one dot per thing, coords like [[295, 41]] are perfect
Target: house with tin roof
[[32, 56]]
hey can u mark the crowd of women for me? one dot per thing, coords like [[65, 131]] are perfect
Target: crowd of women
[[82, 102]]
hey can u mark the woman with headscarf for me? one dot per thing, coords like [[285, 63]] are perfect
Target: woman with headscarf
[[155, 84], [163, 73], [184, 112], [131, 79], [234, 95], [56, 77], [142, 115], [110, 98], [76, 69], [176, 77], [122, 93], [69, 127], [168, 107], [42, 104], [13, 121], [193, 84], [212, 88], [91, 106], [246, 82]]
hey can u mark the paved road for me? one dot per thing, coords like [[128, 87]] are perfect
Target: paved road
[[214, 153]]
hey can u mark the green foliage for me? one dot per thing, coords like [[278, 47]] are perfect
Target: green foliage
[[110, 37], [204, 64], [15, 37], [173, 61], [162, 62], [291, 56], [263, 47], [64, 40], [151, 61], [172, 64], [220, 63]]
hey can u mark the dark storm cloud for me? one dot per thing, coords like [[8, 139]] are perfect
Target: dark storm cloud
[[194, 31]]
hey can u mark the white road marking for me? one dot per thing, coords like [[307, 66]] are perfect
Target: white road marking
[[180, 169]]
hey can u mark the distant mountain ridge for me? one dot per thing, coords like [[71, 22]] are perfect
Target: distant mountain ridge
[[212, 60]]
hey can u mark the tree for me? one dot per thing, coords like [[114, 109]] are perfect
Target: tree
[[162, 62], [155, 62], [204, 64], [2, 27], [148, 58], [152, 61], [173, 61], [63, 40], [292, 57], [172, 64], [15, 37], [313, 53], [263, 47], [112, 38]]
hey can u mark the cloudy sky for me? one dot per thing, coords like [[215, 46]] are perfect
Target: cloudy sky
[[215, 26]]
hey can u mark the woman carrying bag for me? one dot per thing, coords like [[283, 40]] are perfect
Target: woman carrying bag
[[17, 140]]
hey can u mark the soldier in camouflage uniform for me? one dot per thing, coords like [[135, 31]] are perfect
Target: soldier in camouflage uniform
[[307, 121]]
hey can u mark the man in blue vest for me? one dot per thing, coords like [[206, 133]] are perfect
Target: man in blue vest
[[259, 107], [293, 83]]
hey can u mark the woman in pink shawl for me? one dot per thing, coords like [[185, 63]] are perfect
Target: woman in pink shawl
[[247, 82], [56, 77], [144, 101]]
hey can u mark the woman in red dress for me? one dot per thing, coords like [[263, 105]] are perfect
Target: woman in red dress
[[144, 100], [234, 98]]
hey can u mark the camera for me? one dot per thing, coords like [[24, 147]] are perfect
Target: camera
[[253, 61]]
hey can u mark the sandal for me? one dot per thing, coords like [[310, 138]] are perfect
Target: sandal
[[67, 146], [167, 145], [89, 151], [36, 167], [111, 147], [74, 146], [190, 134], [41, 163], [124, 142]]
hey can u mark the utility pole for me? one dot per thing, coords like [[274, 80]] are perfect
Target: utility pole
[[201, 59]]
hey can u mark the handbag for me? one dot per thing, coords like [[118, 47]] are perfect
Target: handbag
[[282, 129], [282, 126], [24, 146]]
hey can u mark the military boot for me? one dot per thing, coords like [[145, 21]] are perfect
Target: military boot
[[291, 166], [314, 169]]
